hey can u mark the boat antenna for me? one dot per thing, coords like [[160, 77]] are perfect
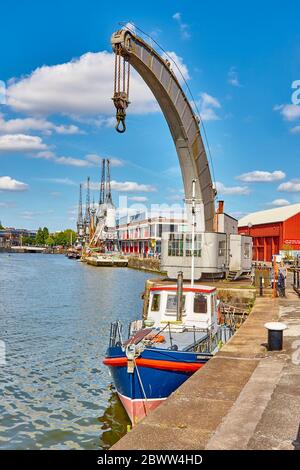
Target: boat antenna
[[193, 233]]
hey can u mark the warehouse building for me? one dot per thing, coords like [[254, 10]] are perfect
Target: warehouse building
[[274, 231]]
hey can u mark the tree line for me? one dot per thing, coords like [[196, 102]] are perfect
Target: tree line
[[45, 238]]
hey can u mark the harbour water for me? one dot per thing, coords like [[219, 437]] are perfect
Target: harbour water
[[54, 318]]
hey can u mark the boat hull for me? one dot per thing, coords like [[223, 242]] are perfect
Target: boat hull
[[155, 375]]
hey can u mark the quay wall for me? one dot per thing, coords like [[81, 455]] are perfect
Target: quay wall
[[245, 397], [144, 264]]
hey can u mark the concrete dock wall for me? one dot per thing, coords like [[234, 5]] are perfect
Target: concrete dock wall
[[244, 398]]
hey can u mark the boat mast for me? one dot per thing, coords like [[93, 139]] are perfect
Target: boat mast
[[193, 233]]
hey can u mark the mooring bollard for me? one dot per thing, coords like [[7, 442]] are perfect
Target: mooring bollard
[[275, 335], [296, 443]]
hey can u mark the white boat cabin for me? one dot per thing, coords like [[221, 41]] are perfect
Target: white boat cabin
[[199, 310]]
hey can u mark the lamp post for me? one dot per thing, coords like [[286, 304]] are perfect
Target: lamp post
[[249, 228]]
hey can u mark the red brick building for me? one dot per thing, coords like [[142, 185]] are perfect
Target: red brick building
[[273, 231]]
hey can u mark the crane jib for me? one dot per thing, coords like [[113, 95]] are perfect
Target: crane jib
[[131, 50]]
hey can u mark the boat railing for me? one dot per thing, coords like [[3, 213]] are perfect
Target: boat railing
[[116, 337]]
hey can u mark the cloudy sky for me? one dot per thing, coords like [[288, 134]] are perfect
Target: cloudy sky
[[56, 115]]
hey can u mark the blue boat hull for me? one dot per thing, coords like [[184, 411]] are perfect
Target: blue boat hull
[[155, 375]]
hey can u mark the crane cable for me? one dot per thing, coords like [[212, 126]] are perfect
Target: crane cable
[[121, 88], [126, 25]]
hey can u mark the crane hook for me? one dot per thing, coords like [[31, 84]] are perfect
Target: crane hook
[[120, 121]]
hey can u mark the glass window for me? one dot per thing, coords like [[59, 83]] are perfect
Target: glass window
[[200, 303], [172, 303], [222, 248], [155, 303], [175, 244], [247, 250], [188, 245]]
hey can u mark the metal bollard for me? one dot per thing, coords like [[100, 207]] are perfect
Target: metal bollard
[[297, 279], [294, 283], [296, 443], [275, 335]]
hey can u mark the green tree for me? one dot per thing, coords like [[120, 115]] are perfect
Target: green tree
[[28, 240], [41, 236], [65, 238], [50, 241], [1, 226]]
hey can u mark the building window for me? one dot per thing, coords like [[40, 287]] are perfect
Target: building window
[[200, 303], [172, 303], [222, 248], [155, 303], [175, 245], [188, 245], [247, 250], [159, 230]]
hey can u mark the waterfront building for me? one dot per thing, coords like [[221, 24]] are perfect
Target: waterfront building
[[273, 231], [141, 235], [11, 236]]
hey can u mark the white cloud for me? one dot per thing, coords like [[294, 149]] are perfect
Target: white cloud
[[261, 176], [83, 86], [183, 27], [66, 181], [127, 187], [290, 112], [290, 186], [9, 184], [233, 78], [20, 143], [232, 190], [179, 65], [279, 202], [46, 154], [95, 159], [7, 204], [17, 126], [295, 130], [89, 160], [138, 198], [70, 161], [207, 106]]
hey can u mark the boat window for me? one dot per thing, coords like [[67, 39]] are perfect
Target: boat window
[[172, 303], [155, 303], [200, 303]]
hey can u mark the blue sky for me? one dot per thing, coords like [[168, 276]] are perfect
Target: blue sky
[[241, 60]]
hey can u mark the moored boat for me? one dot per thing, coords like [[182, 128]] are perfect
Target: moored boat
[[179, 334]]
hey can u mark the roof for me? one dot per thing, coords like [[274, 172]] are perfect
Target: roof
[[278, 214], [186, 288]]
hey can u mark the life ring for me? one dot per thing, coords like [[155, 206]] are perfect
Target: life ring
[[156, 338]]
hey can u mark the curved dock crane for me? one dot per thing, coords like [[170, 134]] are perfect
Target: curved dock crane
[[181, 119], [217, 252]]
